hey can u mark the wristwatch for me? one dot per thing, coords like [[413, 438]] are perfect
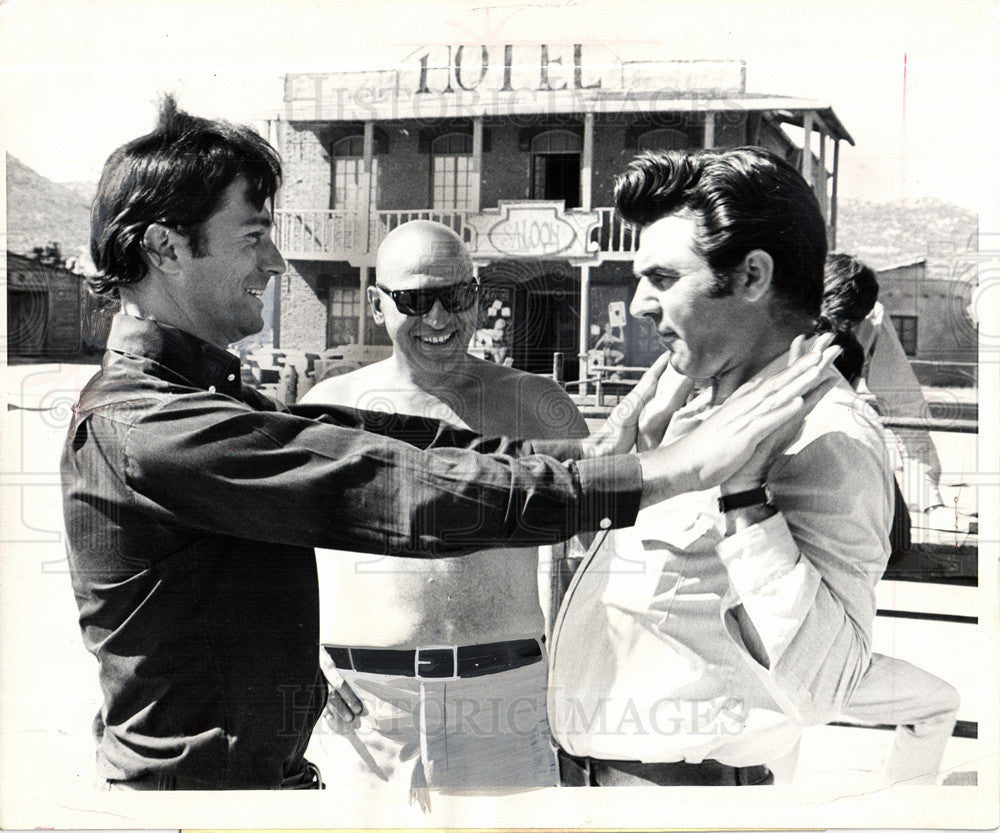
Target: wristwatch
[[740, 500]]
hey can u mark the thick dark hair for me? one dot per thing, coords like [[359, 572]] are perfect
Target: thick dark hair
[[743, 199], [175, 176], [851, 361], [850, 290]]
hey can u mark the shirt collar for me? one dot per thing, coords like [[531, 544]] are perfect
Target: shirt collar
[[201, 364]]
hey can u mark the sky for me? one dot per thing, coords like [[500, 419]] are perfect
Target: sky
[[915, 83]]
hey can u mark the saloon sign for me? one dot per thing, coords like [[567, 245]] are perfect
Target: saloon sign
[[536, 229]]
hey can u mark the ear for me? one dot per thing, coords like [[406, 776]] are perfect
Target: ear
[[158, 248], [755, 275], [375, 302]]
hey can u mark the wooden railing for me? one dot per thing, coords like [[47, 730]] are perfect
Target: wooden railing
[[323, 234], [613, 235]]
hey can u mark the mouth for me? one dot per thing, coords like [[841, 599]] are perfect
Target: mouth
[[437, 340], [256, 292]]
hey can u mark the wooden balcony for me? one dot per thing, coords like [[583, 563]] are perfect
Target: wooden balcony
[[316, 234]]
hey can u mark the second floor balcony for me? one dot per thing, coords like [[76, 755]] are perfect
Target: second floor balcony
[[526, 229]]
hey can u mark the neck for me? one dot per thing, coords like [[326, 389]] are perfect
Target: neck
[[144, 300], [760, 354], [430, 376]]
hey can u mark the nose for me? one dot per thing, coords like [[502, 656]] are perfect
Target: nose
[[644, 301], [437, 316], [271, 260]]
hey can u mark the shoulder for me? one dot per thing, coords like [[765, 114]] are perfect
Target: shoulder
[[345, 389], [839, 410], [544, 409]]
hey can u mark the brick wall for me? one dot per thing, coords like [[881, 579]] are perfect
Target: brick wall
[[303, 313], [505, 168], [305, 159], [730, 129], [404, 174], [610, 158]]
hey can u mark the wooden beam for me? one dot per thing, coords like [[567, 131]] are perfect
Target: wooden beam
[[833, 195], [584, 325], [821, 195], [709, 134], [587, 168], [477, 162], [807, 127]]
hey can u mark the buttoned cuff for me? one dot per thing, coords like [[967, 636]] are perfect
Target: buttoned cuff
[[758, 554], [611, 488]]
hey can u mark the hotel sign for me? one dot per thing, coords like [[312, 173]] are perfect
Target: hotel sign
[[532, 229], [464, 80]]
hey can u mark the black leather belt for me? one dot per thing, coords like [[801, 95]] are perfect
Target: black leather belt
[[439, 661], [576, 771]]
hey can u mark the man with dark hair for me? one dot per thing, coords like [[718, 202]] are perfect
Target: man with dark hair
[[695, 649], [850, 290], [192, 504]]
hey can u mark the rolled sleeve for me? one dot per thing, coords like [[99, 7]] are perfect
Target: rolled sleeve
[[802, 582]]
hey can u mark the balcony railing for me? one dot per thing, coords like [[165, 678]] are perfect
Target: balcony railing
[[320, 234], [613, 235]]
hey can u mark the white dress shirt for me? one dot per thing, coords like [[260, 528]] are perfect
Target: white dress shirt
[[649, 661]]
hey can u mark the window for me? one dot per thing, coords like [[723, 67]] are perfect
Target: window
[[906, 329], [348, 171], [342, 306], [451, 173], [555, 167], [663, 138]]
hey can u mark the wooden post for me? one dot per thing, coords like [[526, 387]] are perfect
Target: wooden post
[[807, 126], [362, 309], [368, 149], [587, 170], [477, 163], [709, 136], [821, 195], [584, 326], [833, 195]]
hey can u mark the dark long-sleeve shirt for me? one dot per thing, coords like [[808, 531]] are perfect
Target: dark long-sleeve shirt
[[192, 505]]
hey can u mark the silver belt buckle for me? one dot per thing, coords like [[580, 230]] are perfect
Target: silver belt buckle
[[417, 661]]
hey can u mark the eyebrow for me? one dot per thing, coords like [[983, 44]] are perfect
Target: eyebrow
[[653, 270], [258, 223]]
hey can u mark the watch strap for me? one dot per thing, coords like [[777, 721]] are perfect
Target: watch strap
[[740, 500]]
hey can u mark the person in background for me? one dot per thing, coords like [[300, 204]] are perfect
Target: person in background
[[850, 301], [923, 707]]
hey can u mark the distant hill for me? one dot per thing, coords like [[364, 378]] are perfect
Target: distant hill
[[887, 234], [40, 211], [85, 190]]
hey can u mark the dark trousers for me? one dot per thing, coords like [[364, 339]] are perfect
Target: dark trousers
[[308, 779], [595, 772]]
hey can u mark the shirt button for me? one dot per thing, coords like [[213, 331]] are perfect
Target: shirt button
[[211, 388], [231, 377], [605, 523]]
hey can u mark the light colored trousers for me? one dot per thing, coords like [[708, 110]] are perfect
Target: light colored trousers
[[921, 706], [482, 734]]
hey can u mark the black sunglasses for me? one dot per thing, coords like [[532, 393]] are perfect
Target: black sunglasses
[[455, 298]]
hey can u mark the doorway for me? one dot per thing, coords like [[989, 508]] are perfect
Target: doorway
[[548, 323], [555, 167]]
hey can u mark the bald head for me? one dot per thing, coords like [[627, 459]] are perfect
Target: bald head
[[422, 249]]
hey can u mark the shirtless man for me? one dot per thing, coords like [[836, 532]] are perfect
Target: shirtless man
[[481, 725]]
